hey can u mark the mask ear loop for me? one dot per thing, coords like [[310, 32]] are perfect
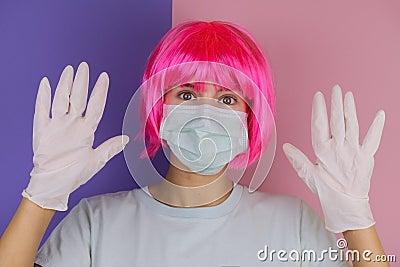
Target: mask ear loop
[[162, 97]]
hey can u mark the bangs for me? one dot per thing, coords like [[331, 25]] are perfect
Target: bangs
[[201, 73]]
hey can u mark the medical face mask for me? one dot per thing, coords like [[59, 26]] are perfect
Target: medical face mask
[[204, 137]]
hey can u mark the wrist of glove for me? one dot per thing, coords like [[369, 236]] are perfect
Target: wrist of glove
[[342, 211], [42, 198], [50, 187]]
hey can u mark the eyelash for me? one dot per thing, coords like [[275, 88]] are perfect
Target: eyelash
[[181, 93], [232, 97]]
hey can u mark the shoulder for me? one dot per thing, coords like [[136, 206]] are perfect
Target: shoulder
[[109, 202], [272, 202], [282, 208]]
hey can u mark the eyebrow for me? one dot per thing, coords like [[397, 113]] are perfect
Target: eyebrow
[[188, 85], [191, 85], [220, 89]]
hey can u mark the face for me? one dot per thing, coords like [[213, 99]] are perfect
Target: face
[[211, 94]]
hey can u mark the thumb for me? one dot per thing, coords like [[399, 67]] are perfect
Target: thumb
[[301, 164], [374, 134], [110, 148]]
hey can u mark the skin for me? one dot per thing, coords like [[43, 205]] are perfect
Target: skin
[[362, 240], [20, 241]]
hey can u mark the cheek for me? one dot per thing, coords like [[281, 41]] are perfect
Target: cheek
[[243, 107], [169, 98], [246, 107]]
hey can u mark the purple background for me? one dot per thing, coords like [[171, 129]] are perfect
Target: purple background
[[40, 38]]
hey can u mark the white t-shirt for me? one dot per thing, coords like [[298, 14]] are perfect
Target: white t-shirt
[[131, 228]]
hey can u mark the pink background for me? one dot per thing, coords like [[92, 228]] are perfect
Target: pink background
[[312, 45]]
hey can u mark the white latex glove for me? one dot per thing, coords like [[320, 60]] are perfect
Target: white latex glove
[[62, 145], [341, 176]]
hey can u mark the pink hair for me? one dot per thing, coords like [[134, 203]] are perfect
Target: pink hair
[[184, 54]]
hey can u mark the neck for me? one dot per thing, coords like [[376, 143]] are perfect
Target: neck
[[182, 188]]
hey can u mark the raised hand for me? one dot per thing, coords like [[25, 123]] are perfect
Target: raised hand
[[63, 155], [341, 176]]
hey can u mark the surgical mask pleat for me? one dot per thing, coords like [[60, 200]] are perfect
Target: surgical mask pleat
[[203, 137]]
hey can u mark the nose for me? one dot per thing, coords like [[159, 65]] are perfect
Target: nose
[[207, 100], [208, 95], [210, 90]]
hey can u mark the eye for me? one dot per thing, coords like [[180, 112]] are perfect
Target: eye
[[228, 100], [186, 95]]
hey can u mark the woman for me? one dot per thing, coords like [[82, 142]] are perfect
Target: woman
[[197, 215]]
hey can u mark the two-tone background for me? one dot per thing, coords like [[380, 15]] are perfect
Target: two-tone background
[[311, 45]]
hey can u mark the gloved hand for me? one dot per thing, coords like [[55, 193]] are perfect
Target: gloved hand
[[341, 176], [63, 155]]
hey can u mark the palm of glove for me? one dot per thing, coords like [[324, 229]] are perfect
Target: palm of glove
[[343, 169], [65, 143]]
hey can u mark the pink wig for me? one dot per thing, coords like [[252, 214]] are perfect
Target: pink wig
[[181, 56]]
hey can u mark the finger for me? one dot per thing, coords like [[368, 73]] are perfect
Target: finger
[[351, 122], [337, 117], [43, 102], [110, 148], [42, 108], [319, 121], [79, 90], [61, 96], [301, 164], [97, 100], [374, 134]]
